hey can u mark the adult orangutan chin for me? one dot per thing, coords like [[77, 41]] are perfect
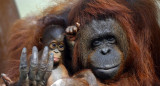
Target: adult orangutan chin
[[117, 41]]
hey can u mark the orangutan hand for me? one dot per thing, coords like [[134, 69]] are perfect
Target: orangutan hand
[[37, 73], [72, 30]]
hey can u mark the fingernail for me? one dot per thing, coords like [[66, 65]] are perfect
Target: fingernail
[[24, 50], [46, 48], [34, 53], [34, 48]]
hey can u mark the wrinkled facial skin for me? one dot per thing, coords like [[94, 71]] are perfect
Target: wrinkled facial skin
[[103, 46], [54, 38]]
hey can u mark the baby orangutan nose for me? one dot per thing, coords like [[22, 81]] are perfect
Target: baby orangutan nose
[[56, 51]]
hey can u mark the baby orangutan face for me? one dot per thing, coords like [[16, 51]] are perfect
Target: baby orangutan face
[[57, 49], [53, 37]]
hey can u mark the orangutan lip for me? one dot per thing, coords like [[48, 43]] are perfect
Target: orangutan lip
[[56, 59], [109, 67]]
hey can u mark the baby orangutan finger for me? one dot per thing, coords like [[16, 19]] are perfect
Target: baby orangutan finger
[[78, 24], [75, 29], [71, 30], [67, 30]]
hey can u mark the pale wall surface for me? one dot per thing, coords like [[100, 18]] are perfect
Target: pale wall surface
[[28, 7]]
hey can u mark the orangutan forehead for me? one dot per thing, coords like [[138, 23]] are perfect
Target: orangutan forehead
[[101, 28]]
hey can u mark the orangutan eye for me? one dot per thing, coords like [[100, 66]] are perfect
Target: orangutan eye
[[52, 45], [61, 47], [96, 43], [111, 39]]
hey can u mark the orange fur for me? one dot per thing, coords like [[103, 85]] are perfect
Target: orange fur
[[26, 33], [138, 19]]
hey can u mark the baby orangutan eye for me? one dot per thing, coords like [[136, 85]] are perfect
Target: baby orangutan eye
[[61, 47], [52, 45]]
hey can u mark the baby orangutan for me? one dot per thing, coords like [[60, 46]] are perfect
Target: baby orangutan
[[53, 37]]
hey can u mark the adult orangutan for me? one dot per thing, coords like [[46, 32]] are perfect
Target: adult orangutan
[[116, 42]]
